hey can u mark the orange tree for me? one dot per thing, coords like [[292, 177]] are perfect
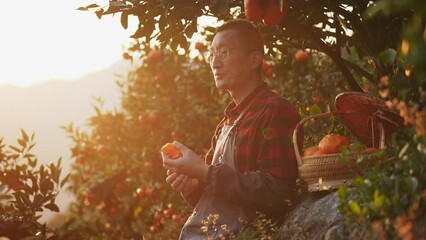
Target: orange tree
[[118, 178], [26, 190]]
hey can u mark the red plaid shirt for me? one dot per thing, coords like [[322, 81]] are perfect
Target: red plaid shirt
[[264, 135]]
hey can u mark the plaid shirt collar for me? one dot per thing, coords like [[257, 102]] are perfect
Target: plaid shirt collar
[[232, 110]]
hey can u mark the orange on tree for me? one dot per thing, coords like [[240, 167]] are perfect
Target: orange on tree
[[301, 56], [253, 10], [331, 143], [273, 14], [175, 218], [148, 164], [155, 228], [126, 56], [171, 151], [267, 70], [200, 46], [152, 118], [154, 57]]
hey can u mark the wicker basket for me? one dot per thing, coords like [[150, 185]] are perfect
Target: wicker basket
[[368, 119]]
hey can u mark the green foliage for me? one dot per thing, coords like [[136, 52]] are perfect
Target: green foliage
[[392, 194], [335, 28], [393, 187], [26, 189]]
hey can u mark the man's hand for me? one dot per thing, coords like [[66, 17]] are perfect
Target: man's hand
[[181, 183], [189, 164]]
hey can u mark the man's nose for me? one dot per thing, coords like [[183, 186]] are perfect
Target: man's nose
[[216, 63]]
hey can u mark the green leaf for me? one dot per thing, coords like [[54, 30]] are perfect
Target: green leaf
[[99, 13], [65, 180], [354, 206], [31, 146], [124, 20], [31, 162], [22, 143], [93, 5], [403, 150], [315, 109], [387, 56], [52, 207], [33, 181], [24, 135], [46, 185], [15, 149], [58, 165], [82, 9], [24, 198], [378, 199], [138, 33], [38, 200], [54, 172], [42, 171]]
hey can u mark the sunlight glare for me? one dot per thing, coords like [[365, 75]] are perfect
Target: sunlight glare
[[50, 40]]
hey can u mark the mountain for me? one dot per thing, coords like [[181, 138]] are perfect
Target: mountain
[[41, 109]]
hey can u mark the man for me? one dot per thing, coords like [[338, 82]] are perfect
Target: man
[[251, 166]]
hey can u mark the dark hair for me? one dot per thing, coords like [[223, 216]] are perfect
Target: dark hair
[[247, 33]]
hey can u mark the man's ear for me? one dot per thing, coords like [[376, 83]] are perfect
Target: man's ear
[[256, 59]]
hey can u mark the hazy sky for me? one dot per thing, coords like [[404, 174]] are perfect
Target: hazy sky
[[44, 40]]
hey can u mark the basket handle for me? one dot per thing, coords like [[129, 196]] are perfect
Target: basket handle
[[295, 144]]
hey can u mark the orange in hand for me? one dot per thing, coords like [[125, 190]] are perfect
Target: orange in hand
[[171, 151]]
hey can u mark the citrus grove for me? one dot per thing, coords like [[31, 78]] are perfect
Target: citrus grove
[[314, 51]]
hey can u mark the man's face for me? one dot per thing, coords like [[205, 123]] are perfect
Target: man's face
[[230, 64]]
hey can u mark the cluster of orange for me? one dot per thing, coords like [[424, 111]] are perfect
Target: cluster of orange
[[162, 214], [268, 11], [333, 143]]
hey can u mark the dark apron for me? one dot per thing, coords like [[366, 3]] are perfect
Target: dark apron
[[199, 225]]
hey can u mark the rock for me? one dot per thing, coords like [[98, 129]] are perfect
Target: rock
[[315, 216]]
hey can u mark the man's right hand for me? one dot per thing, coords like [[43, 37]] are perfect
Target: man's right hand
[[181, 182]]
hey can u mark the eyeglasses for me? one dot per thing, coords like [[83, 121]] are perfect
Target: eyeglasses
[[222, 55]]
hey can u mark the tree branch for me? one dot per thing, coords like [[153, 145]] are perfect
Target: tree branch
[[310, 34]]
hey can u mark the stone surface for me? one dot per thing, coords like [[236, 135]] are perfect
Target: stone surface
[[315, 217], [312, 217]]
